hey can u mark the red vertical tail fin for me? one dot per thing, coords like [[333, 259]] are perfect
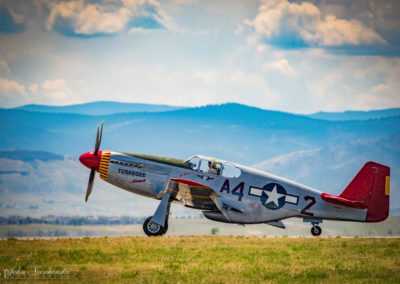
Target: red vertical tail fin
[[371, 186]]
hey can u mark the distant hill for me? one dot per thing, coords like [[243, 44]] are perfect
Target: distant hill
[[28, 155], [230, 131], [109, 107], [57, 187], [319, 153], [330, 169], [99, 108], [356, 115]]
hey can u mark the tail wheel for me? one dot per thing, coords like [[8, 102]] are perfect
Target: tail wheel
[[153, 229], [316, 230]]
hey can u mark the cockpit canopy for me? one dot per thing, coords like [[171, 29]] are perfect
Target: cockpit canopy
[[213, 167]]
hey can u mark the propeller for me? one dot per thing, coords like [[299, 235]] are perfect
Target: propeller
[[93, 170], [90, 184]]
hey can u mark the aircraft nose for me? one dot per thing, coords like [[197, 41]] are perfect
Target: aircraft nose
[[90, 160]]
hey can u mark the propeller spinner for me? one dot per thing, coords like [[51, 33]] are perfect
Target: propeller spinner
[[92, 160]]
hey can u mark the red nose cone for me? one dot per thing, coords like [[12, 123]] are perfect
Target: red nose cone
[[90, 160]]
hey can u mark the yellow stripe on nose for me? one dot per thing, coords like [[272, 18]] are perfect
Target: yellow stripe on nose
[[387, 185], [103, 167]]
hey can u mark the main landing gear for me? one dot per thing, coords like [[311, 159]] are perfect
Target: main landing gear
[[316, 230], [153, 229]]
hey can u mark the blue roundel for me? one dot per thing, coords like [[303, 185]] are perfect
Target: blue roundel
[[273, 196]]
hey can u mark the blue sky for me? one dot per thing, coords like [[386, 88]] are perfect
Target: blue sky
[[295, 56]]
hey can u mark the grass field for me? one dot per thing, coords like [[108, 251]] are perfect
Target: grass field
[[295, 227], [202, 259]]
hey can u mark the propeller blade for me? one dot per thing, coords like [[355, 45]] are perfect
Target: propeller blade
[[98, 138], [101, 132], [90, 184], [93, 170], [96, 145]]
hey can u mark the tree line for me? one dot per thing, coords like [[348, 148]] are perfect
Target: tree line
[[72, 220]]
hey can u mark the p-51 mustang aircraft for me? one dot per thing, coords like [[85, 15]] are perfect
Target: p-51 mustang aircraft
[[231, 193]]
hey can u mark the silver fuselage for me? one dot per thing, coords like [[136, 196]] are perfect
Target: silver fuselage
[[150, 178]]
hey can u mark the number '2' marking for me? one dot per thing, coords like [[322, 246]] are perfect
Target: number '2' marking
[[309, 205]]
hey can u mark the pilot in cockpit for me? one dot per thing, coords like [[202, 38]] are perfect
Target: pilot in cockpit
[[214, 168]]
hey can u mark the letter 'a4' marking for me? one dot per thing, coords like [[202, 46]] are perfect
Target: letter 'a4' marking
[[238, 190]]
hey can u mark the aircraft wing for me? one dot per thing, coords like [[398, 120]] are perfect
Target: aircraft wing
[[191, 193], [200, 196], [225, 203], [278, 224]]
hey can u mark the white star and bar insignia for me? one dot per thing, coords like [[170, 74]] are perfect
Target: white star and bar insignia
[[273, 196]]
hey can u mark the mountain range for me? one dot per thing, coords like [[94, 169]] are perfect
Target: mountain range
[[322, 153], [230, 131], [99, 108], [356, 115], [109, 107], [330, 169]]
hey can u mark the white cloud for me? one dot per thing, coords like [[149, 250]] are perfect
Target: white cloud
[[363, 101], [51, 85], [195, 70], [82, 17], [188, 87], [282, 65], [52, 92], [239, 30], [380, 88], [4, 70], [208, 76], [11, 92], [138, 31], [185, 2], [57, 92], [18, 18], [10, 86], [334, 31], [286, 24], [380, 15], [356, 83], [33, 88]]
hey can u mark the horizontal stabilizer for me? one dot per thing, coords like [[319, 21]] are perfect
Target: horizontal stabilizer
[[369, 189], [342, 201]]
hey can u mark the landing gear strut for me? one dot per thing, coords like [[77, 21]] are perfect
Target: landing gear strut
[[316, 230], [153, 229]]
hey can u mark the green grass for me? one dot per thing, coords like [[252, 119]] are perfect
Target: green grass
[[209, 259]]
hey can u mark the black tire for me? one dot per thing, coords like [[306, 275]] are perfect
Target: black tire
[[152, 229], [316, 231], [165, 229]]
